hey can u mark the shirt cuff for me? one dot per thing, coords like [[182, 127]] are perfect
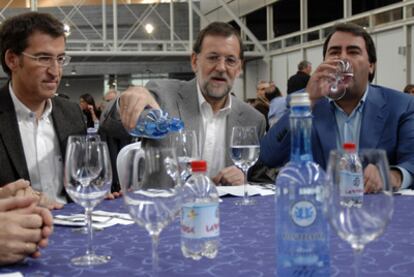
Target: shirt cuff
[[407, 179]]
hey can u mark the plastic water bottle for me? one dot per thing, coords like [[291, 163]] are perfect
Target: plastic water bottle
[[200, 219], [351, 182], [302, 233], [155, 124]]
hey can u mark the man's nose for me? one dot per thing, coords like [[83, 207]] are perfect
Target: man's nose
[[54, 68], [221, 64]]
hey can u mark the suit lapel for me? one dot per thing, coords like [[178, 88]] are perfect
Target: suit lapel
[[9, 131], [373, 120], [234, 119], [60, 123], [325, 130], [188, 106]]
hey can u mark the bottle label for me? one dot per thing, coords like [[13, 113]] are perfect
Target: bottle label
[[200, 220], [351, 187], [303, 213]]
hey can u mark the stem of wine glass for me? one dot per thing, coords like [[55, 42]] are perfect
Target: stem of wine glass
[[246, 195], [155, 260], [88, 217], [357, 260]]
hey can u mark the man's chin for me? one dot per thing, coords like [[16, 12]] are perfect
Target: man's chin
[[218, 93]]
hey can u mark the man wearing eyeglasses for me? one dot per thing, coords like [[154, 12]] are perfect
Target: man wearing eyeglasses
[[205, 103], [34, 125]]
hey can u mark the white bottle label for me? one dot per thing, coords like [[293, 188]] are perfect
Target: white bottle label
[[351, 187], [200, 220]]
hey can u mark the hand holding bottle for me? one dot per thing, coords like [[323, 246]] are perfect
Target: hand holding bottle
[[131, 104]]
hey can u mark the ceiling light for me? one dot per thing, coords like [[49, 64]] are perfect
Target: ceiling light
[[149, 28], [66, 29]]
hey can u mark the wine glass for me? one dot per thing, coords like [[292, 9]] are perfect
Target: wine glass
[[88, 178], [356, 217], [88, 137], [151, 186], [244, 146], [186, 147], [342, 77]]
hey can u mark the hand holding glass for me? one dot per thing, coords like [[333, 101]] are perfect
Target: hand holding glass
[[364, 220], [88, 178], [245, 150], [342, 77]]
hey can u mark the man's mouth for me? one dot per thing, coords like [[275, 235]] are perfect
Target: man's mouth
[[219, 79]]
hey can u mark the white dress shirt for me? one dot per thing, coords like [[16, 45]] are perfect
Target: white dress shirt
[[212, 136], [41, 149]]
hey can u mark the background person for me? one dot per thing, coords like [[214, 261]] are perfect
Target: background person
[[88, 107], [300, 79]]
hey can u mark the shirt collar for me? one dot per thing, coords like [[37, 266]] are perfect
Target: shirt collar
[[23, 111], [202, 102], [358, 107]]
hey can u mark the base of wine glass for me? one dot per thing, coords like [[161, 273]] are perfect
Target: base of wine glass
[[84, 230], [90, 260], [245, 202]]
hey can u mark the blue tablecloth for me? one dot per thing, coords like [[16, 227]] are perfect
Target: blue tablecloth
[[247, 247]]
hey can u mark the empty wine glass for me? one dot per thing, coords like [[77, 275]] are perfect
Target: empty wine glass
[[342, 77], [186, 147], [151, 186], [245, 149], [88, 137], [356, 217], [88, 178]]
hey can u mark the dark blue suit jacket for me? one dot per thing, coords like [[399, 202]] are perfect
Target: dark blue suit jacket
[[387, 123]]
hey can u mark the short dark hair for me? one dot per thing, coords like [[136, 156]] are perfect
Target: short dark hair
[[16, 30], [359, 31], [302, 65], [273, 94], [218, 29], [408, 88]]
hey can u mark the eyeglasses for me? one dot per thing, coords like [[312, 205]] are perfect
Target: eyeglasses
[[49, 60], [230, 61]]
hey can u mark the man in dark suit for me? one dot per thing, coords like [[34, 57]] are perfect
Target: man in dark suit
[[34, 125], [300, 79], [205, 104], [370, 116]]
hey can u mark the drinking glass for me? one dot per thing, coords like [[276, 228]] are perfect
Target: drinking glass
[[343, 75], [88, 178], [186, 147], [362, 221], [88, 137], [151, 186], [245, 149]]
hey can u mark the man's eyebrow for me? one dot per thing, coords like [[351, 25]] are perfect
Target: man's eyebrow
[[353, 47], [349, 47], [48, 54]]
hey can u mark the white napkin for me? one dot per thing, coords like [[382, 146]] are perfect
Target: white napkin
[[12, 274], [100, 219], [262, 190], [408, 192]]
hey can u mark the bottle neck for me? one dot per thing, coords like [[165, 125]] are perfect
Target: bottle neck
[[301, 130]]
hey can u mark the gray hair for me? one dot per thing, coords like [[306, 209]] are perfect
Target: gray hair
[[303, 64]]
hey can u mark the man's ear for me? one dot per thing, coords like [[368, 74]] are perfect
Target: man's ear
[[194, 62], [11, 59]]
